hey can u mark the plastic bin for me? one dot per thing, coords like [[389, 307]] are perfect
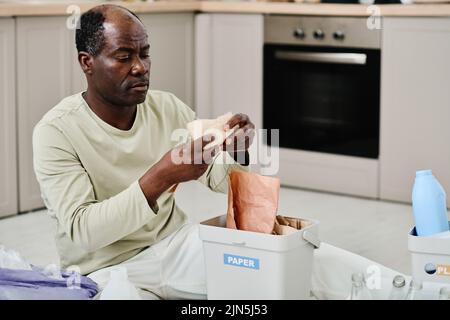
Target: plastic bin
[[430, 256], [250, 265]]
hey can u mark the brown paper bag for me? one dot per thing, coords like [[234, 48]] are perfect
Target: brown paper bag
[[252, 201]]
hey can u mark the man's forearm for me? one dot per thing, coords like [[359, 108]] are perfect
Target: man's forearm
[[153, 185]]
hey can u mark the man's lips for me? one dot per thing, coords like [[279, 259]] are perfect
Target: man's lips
[[140, 86]]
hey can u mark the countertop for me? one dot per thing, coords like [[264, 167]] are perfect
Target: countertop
[[51, 8]]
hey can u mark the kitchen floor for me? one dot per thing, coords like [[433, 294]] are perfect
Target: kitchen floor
[[374, 229]]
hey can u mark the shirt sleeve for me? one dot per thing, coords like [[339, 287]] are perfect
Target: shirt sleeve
[[216, 176], [69, 195]]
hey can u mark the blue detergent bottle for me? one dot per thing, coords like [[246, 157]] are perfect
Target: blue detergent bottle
[[429, 204]]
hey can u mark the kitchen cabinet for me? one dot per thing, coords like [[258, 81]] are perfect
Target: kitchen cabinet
[[8, 169], [415, 104], [46, 73], [228, 69], [229, 53], [171, 38]]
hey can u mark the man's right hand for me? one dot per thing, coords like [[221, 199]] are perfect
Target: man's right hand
[[183, 163], [188, 161]]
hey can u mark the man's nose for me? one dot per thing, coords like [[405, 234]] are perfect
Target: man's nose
[[140, 66]]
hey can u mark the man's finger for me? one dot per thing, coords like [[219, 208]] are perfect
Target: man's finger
[[207, 139], [199, 143], [238, 119]]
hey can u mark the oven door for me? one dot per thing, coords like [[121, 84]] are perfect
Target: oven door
[[323, 99]]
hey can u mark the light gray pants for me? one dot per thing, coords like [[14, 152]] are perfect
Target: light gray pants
[[170, 269]]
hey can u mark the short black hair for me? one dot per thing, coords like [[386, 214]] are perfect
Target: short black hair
[[89, 35]]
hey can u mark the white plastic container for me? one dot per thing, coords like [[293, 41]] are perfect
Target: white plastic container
[[251, 265], [430, 256]]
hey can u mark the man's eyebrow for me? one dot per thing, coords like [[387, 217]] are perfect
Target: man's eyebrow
[[128, 49]]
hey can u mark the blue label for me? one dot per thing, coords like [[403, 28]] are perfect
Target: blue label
[[239, 261]]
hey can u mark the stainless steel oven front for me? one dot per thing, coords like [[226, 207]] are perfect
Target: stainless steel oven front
[[322, 90]]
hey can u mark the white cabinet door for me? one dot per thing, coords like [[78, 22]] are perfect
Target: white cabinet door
[[171, 38], [45, 76], [228, 68], [8, 169], [229, 50], [415, 104]]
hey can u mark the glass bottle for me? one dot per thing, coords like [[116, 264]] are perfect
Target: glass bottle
[[359, 288], [398, 288], [444, 293], [415, 291]]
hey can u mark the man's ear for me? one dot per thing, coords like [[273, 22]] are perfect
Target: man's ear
[[85, 60]]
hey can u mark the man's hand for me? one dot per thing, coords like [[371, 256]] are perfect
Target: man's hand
[[238, 143], [188, 161], [183, 163]]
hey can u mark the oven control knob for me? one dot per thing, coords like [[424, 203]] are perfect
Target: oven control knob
[[318, 34], [339, 35], [299, 33]]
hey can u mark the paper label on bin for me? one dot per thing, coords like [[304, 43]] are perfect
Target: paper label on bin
[[443, 270], [240, 261]]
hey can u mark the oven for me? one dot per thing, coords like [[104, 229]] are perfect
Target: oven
[[321, 89]]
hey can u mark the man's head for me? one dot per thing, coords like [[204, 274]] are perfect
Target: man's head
[[113, 51]]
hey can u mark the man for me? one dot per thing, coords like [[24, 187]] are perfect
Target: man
[[103, 159]]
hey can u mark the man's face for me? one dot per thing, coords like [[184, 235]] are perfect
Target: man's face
[[120, 72]]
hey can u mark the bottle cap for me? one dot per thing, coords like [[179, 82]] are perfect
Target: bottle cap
[[398, 282], [422, 173]]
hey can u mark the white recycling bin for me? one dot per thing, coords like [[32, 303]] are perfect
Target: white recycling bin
[[430, 256], [250, 265]]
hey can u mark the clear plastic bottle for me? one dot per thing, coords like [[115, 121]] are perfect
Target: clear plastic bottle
[[359, 288], [415, 290], [119, 287], [398, 288], [429, 204], [444, 293]]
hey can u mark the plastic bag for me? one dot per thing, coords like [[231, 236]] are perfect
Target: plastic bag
[[20, 280], [36, 285], [10, 259]]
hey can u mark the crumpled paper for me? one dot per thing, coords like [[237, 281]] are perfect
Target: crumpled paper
[[252, 201], [203, 127], [287, 225]]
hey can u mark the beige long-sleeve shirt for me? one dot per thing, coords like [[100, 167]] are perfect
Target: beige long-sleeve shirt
[[88, 172]]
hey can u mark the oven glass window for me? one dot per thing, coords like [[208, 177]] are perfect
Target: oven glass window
[[321, 100]]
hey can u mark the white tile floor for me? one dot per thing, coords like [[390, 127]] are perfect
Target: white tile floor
[[374, 229]]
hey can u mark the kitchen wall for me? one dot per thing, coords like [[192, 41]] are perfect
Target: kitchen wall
[[215, 65]]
